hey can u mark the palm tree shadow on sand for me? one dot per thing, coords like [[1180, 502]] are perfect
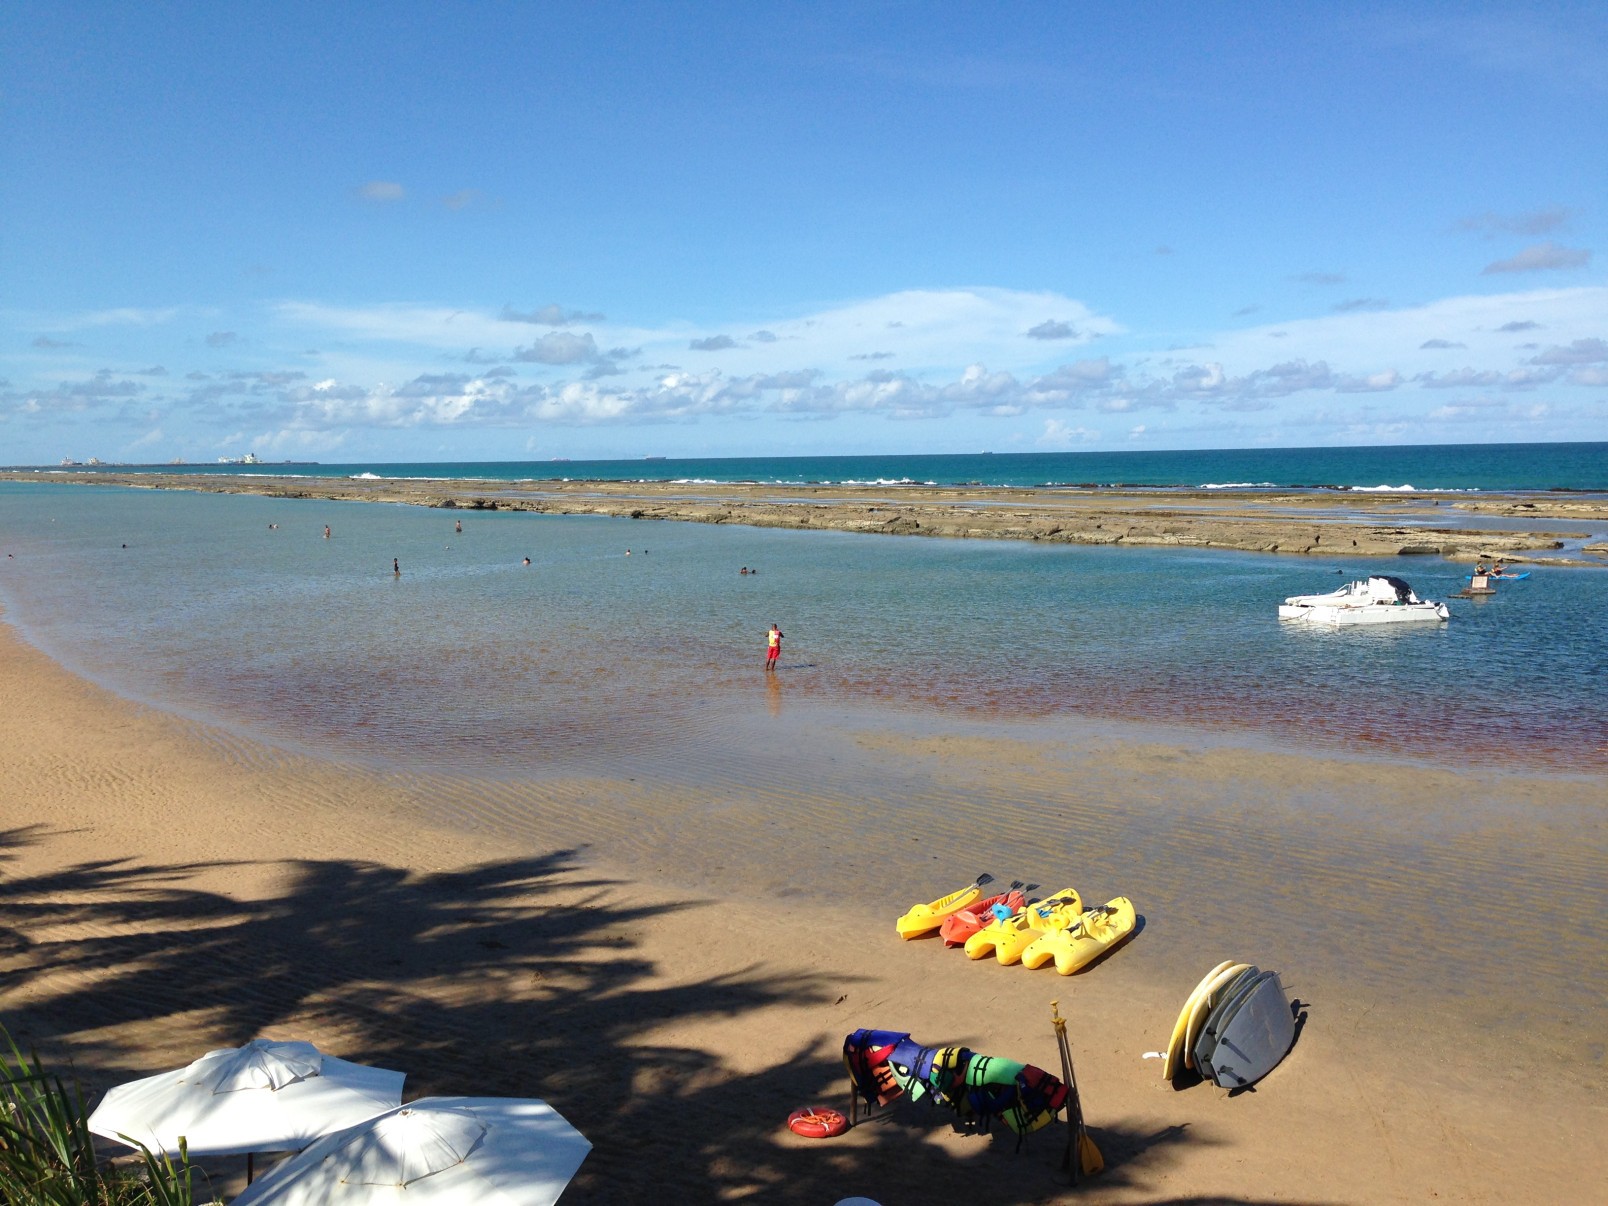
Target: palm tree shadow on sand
[[519, 977]]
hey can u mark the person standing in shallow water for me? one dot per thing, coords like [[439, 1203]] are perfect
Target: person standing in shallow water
[[396, 567], [773, 647], [326, 531]]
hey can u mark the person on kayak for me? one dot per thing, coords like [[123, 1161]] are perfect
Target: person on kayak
[[773, 649]]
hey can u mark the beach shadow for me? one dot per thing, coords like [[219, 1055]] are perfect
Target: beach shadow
[[518, 977]]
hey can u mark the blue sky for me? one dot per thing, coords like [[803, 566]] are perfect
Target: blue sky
[[511, 231]]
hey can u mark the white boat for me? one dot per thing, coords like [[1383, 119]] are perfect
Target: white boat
[[1381, 599]]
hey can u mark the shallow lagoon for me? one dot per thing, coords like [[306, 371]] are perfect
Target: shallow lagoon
[[471, 661]]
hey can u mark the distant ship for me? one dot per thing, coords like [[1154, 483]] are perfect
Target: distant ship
[[67, 462], [653, 458]]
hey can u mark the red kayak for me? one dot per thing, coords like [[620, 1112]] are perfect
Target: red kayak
[[962, 925]]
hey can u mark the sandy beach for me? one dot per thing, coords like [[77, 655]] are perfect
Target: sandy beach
[[675, 973]]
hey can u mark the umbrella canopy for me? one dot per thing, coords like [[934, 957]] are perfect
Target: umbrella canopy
[[492, 1151], [264, 1097]]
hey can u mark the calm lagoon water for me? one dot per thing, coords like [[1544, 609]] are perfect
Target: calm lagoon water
[[471, 661]]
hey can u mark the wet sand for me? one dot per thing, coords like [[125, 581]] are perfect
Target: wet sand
[[1326, 522], [673, 959]]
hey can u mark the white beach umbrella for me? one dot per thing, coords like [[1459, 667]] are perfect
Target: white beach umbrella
[[264, 1097], [491, 1151]]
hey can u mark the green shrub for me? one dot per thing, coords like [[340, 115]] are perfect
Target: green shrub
[[47, 1155]]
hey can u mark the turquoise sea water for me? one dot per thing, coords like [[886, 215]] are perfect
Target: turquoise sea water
[[471, 660], [1424, 467]]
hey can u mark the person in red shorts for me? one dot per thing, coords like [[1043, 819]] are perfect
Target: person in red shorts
[[773, 649]]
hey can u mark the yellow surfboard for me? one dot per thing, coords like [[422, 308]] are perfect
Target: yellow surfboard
[[1174, 1063], [1206, 1002]]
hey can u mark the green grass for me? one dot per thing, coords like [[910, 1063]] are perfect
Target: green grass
[[47, 1155]]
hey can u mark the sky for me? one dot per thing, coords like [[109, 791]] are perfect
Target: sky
[[351, 232]]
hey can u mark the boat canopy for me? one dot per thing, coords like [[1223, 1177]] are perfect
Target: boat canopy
[[1404, 593]]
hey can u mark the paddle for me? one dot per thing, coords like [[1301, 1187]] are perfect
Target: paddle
[[1089, 1160]]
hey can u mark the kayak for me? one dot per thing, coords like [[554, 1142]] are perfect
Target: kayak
[[958, 927], [1086, 939], [1007, 939], [924, 918], [1519, 577]]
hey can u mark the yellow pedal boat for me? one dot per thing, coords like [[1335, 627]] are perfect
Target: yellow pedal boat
[[1007, 939], [1089, 937], [924, 918]]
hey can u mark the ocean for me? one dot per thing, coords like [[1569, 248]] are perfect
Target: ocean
[[1438, 467], [238, 611]]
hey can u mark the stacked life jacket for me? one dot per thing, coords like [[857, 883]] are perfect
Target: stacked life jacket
[[885, 1065]]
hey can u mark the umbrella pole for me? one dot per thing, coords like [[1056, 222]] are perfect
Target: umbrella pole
[[250, 1171]]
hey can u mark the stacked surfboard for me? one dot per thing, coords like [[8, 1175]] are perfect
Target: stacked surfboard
[[1233, 1029]]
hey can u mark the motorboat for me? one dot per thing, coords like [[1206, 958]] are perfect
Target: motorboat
[[1380, 599]]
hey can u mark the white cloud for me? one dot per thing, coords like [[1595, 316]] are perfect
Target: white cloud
[[382, 191], [1059, 434], [920, 355], [1581, 351], [1537, 222], [928, 331], [1540, 258], [560, 347]]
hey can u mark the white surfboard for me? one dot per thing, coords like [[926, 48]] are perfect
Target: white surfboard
[[1256, 1036], [1228, 1002]]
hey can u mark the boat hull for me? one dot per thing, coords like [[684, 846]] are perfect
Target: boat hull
[[1386, 613]]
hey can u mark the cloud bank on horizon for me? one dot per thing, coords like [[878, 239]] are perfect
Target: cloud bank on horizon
[[1520, 361], [622, 321]]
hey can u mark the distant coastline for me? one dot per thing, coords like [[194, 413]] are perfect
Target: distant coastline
[[1391, 469]]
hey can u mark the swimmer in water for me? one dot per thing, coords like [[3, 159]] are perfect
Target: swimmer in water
[[527, 560]]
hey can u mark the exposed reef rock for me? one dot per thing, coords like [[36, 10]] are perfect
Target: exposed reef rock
[[1296, 522]]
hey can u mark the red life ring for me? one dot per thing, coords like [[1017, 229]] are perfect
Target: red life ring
[[817, 1122]]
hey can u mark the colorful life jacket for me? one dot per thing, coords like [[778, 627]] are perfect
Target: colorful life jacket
[[886, 1064]]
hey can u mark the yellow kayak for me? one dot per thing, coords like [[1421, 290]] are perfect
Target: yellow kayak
[[1089, 937], [1010, 937], [924, 918]]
